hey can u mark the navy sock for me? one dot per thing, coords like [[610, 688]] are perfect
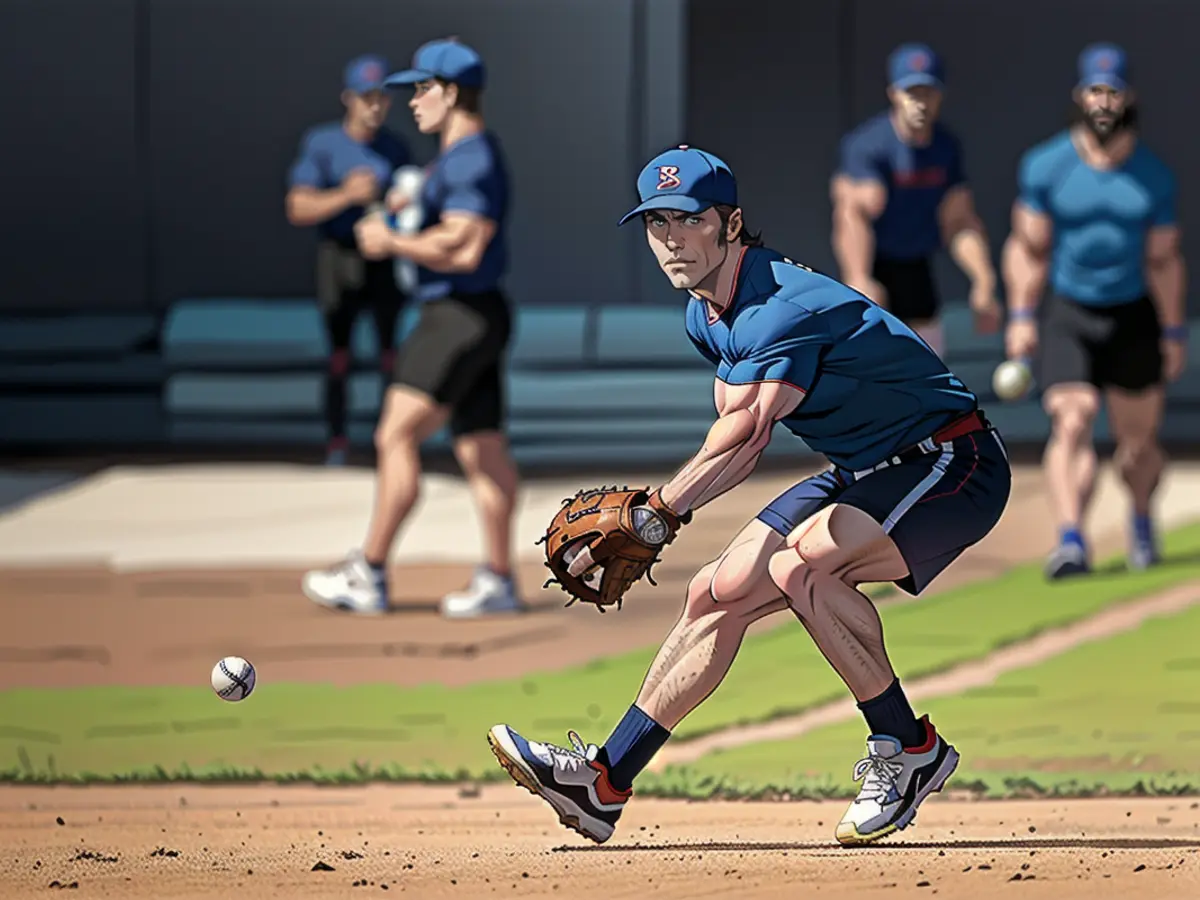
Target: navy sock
[[1143, 529], [631, 746], [1071, 535], [891, 714], [378, 572]]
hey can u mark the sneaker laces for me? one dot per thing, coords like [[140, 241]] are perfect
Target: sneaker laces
[[355, 570], [573, 758], [878, 775]]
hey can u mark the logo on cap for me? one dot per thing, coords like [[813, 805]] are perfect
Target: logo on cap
[[372, 72], [919, 61], [668, 178], [1105, 61]]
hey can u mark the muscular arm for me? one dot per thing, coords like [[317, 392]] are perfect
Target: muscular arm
[[1166, 275], [746, 413], [1026, 258], [456, 244], [963, 233], [307, 206], [856, 205]]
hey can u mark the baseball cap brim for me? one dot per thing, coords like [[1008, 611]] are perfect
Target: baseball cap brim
[[667, 201], [917, 80], [1113, 81], [408, 76]]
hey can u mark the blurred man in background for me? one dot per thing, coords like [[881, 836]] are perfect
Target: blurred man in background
[[1096, 217], [899, 194], [450, 370], [342, 168]]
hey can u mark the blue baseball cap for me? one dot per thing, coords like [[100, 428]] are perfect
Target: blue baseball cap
[[911, 65], [445, 59], [1104, 64], [365, 73], [684, 179]]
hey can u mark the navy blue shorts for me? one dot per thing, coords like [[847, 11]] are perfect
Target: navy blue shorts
[[933, 507]]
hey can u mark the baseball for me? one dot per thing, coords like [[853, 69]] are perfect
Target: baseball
[[1012, 379], [233, 678]]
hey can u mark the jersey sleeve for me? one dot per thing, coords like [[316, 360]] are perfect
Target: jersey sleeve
[[469, 185], [1032, 187], [779, 341], [306, 169], [1165, 201], [859, 160]]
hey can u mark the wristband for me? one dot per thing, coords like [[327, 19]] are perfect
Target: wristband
[[1177, 333], [1021, 315]]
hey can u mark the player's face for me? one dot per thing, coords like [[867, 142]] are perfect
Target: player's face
[[918, 106], [687, 245], [369, 110], [1103, 108], [431, 105]]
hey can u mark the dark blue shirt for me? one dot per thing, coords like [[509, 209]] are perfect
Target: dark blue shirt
[[328, 155], [917, 179], [1100, 218], [469, 176], [871, 387]]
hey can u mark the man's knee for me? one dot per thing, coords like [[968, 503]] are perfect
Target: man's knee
[[736, 584], [1072, 413], [1138, 452]]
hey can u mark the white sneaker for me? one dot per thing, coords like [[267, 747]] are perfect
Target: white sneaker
[[351, 585], [895, 782], [488, 594]]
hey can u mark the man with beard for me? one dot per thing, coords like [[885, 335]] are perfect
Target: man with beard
[[1096, 219], [900, 194]]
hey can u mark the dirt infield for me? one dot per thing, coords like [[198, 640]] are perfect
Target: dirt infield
[[189, 842]]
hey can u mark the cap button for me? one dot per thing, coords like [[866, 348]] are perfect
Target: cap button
[[683, 146]]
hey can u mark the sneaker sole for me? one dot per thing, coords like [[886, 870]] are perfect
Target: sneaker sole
[[569, 814], [848, 835], [342, 607]]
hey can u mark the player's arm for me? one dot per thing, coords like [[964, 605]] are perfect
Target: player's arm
[[455, 244], [1025, 260], [1166, 273], [859, 197], [468, 223], [746, 415], [307, 203], [966, 238]]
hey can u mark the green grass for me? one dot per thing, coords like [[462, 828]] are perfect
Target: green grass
[[324, 732], [1120, 715]]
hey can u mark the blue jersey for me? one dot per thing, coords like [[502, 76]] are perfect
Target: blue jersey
[[917, 179], [872, 387], [327, 155], [1100, 218], [470, 176]]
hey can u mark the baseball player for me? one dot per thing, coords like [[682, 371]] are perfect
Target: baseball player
[[343, 167], [900, 194], [917, 476], [450, 369], [1096, 219]]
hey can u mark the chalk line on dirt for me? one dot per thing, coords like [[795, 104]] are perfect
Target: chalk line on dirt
[[1108, 623]]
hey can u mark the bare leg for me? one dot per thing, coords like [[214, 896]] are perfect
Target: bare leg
[[409, 418], [492, 477], [1135, 420], [1070, 457]]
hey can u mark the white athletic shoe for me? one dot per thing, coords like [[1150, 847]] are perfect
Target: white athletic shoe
[[487, 595], [350, 585], [895, 782]]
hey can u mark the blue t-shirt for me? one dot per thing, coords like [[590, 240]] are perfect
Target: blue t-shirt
[[327, 155], [917, 179], [469, 176], [872, 387], [1100, 218]]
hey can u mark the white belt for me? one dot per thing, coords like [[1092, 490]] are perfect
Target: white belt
[[929, 445]]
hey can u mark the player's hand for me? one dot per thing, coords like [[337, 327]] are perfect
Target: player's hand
[[360, 186], [872, 290], [1174, 355], [1021, 339], [986, 309], [373, 236], [396, 200]]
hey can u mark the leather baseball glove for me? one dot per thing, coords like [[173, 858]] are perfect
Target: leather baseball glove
[[603, 540]]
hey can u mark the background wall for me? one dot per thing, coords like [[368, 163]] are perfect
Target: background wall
[[152, 136]]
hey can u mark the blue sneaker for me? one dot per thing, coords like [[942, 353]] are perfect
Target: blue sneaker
[[1143, 547], [571, 780], [1067, 560]]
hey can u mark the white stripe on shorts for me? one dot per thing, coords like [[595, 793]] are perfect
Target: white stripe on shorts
[[926, 485]]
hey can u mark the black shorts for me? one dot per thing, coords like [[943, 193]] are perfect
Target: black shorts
[[348, 285], [912, 295], [1105, 346], [456, 356]]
